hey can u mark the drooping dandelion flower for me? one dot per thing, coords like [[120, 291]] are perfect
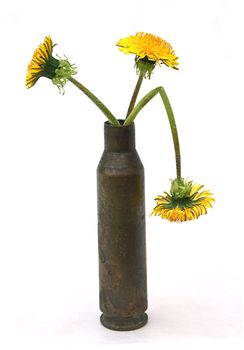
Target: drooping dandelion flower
[[185, 202], [149, 50], [43, 64]]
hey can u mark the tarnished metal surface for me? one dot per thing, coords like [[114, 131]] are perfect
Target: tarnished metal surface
[[121, 231]]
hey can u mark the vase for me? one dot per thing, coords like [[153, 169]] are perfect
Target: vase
[[121, 231]]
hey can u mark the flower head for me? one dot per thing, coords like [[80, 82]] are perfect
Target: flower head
[[149, 50], [43, 64], [185, 201]]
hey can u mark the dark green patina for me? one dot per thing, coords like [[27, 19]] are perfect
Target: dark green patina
[[121, 231]]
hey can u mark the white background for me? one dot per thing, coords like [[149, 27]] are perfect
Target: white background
[[50, 146]]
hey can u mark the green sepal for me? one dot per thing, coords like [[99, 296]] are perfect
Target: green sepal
[[144, 66], [63, 72], [180, 188]]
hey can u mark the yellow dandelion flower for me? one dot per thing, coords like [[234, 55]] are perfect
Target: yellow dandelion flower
[[149, 50], [185, 202], [43, 64]]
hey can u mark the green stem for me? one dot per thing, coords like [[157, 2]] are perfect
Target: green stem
[[135, 94], [160, 90], [97, 102]]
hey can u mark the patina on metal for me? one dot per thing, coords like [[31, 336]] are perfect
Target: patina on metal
[[121, 231]]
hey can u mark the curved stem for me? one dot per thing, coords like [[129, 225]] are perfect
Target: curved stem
[[142, 103], [97, 102], [160, 90], [135, 94]]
